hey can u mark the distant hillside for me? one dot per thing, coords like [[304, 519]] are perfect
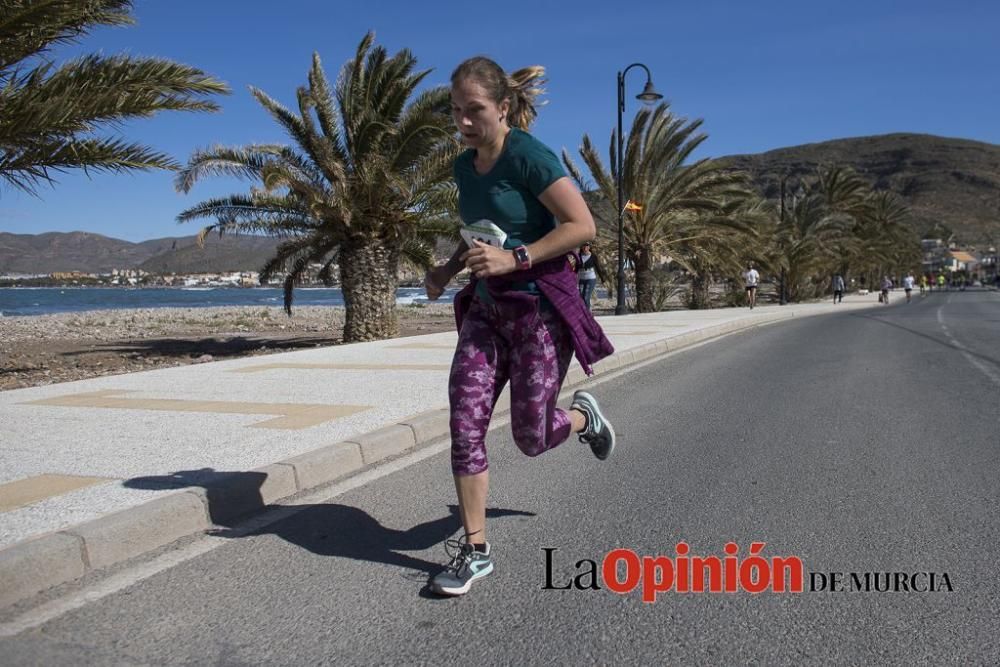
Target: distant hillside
[[93, 253], [952, 181], [228, 253]]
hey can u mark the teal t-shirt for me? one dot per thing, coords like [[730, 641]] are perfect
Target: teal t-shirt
[[508, 193]]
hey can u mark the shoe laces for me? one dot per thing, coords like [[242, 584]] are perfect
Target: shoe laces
[[459, 551]]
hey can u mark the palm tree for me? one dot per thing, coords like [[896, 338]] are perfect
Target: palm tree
[[843, 190], [806, 243], [840, 224], [888, 242], [367, 186], [846, 193], [678, 203], [879, 234], [738, 229], [48, 113]]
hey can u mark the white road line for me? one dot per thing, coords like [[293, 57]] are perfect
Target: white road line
[[984, 368]]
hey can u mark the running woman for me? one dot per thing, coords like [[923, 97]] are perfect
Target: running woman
[[750, 279], [521, 317]]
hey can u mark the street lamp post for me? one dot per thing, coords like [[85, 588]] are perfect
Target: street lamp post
[[781, 297], [647, 96]]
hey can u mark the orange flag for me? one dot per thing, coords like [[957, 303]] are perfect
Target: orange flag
[[632, 206]]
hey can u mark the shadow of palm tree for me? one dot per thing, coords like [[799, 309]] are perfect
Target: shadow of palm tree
[[220, 347]]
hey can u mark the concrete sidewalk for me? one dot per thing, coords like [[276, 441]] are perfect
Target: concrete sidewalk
[[98, 471]]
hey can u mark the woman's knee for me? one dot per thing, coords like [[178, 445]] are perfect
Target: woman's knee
[[468, 454], [530, 441]]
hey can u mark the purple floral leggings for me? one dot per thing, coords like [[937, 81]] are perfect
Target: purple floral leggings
[[533, 352]]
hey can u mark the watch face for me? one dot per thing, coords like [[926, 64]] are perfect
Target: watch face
[[521, 253]]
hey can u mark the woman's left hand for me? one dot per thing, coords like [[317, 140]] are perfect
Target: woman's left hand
[[485, 261]]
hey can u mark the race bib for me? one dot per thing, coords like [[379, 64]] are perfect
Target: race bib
[[485, 231]]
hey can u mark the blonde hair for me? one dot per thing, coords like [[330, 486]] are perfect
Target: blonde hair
[[521, 88]]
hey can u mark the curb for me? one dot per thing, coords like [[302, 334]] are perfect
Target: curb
[[40, 563]]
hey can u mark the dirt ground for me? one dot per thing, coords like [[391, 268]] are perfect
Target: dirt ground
[[48, 349]]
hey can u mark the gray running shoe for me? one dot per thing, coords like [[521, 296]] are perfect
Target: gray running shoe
[[598, 432], [466, 566]]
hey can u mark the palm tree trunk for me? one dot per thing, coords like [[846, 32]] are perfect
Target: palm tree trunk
[[368, 278], [643, 283], [792, 286], [699, 291]]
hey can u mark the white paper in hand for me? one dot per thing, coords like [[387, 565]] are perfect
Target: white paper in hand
[[485, 231]]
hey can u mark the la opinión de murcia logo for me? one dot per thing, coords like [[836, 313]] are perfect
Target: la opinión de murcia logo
[[623, 571]]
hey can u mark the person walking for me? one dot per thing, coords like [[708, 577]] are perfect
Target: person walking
[[520, 318], [750, 280], [838, 289], [587, 271]]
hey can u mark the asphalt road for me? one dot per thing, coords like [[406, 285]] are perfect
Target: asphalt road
[[860, 443]]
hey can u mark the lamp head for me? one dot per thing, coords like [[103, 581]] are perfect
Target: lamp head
[[648, 94]]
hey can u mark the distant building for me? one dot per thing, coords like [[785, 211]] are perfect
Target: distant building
[[960, 260]]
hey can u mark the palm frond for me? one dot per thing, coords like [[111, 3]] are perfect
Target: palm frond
[[25, 167], [29, 29], [245, 162], [49, 110]]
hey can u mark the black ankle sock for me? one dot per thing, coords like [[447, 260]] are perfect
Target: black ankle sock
[[480, 548]]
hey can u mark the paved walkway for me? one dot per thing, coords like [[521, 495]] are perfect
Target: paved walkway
[[223, 438]]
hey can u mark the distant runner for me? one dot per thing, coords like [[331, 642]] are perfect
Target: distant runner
[[908, 286], [750, 279]]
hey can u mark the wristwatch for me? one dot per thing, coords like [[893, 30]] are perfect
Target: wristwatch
[[522, 257]]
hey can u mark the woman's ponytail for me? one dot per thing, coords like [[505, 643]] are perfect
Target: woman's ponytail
[[526, 86], [522, 88]]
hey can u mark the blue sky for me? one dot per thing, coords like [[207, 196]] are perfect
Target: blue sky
[[762, 75]]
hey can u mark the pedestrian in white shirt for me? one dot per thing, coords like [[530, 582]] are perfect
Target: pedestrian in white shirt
[[908, 283], [750, 279]]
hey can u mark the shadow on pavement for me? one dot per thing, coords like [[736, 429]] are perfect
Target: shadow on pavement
[[220, 347], [327, 529]]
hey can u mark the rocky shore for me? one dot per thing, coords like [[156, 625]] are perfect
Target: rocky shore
[[45, 349]]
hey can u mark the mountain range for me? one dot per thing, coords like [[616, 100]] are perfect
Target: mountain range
[[94, 253], [949, 182]]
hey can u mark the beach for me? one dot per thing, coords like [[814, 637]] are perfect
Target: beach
[[45, 349]]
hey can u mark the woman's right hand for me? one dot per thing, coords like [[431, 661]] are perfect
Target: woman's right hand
[[435, 282]]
